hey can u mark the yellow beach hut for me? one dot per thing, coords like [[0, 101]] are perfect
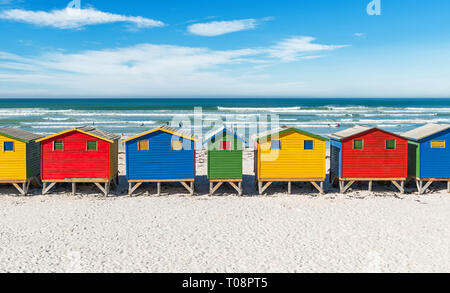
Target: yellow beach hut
[[290, 155], [19, 158]]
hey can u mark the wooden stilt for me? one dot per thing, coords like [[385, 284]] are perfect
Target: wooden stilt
[[211, 186], [260, 187], [188, 188], [370, 185], [74, 188], [448, 186], [319, 188], [192, 188], [427, 185], [289, 187], [47, 188], [158, 188], [344, 187], [132, 188], [401, 187], [242, 191], [20, 189]]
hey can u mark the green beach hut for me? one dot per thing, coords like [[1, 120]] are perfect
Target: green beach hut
[[225, 150]]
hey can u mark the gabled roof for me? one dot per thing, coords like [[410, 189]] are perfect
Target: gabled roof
[[88, 130], [18, 134], [425, 131], [356, 130], [349, 132], [218, 131], [168, 129], [285, 129]]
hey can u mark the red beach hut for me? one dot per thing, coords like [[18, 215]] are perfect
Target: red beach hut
[[368, 154], [79, 155]]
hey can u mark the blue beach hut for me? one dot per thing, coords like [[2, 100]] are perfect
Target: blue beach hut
[[163, 154], [429, 155]]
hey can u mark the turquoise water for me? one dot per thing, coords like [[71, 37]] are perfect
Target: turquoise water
[[131, 116]]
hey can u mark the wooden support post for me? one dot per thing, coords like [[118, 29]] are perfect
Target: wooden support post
[[427, 185], [46, 188], [74, 188], [344, 187], [238, 189], [211, 186], [448, 186], [341, 186], [419, 186], [158, 188], [21, 191], [192, 188], [107, 186], [241, 191], [260, 187], [132, 188], [319, 188], [289, 187], [264, 188], [401, 187], [129, 188], [189, 189], [215, 188], [370, 185]]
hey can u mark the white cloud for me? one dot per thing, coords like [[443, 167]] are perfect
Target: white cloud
[[217, 28], [70, 18], [298, 48], [360, 35], [147, 70]]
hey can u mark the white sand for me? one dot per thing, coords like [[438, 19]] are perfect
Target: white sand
[[356, 232]]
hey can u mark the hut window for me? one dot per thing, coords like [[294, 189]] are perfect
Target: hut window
[[177, 145], [58, 145], [143, 145], [91, 145], [438, 144], [391, 144], [308, 145], [275, 145], [8, 146], [225, 146], [358, 144]]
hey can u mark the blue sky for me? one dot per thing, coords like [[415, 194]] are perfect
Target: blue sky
[[297, 48]]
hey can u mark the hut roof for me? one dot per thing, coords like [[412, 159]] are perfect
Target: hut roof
[[358, 129], [89, 130], [215, 132], [19, 134], [284, 129], [165, 128], [425, 131]]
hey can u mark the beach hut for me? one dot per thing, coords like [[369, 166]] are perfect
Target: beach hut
[[429, 155], [19, 158], [163, 154], [225, 149], [290, 155], [79, 155], [368, 154]]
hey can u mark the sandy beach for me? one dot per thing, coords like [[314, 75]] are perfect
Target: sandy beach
[[382, 231]]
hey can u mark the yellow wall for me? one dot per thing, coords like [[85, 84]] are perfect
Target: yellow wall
[[292, 161], [13, 164]]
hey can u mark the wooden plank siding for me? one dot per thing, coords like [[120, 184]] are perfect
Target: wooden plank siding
[[225, 164], [435, 162], [75, 161], [160, 161], [13, 163], [33, 159], [114, 159], [292, 161], [374, 160]]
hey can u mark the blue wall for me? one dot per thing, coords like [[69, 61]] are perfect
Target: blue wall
[[435, 163], [335, 157], [160, 161]]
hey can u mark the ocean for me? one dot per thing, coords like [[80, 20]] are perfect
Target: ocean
[[132, 116]]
